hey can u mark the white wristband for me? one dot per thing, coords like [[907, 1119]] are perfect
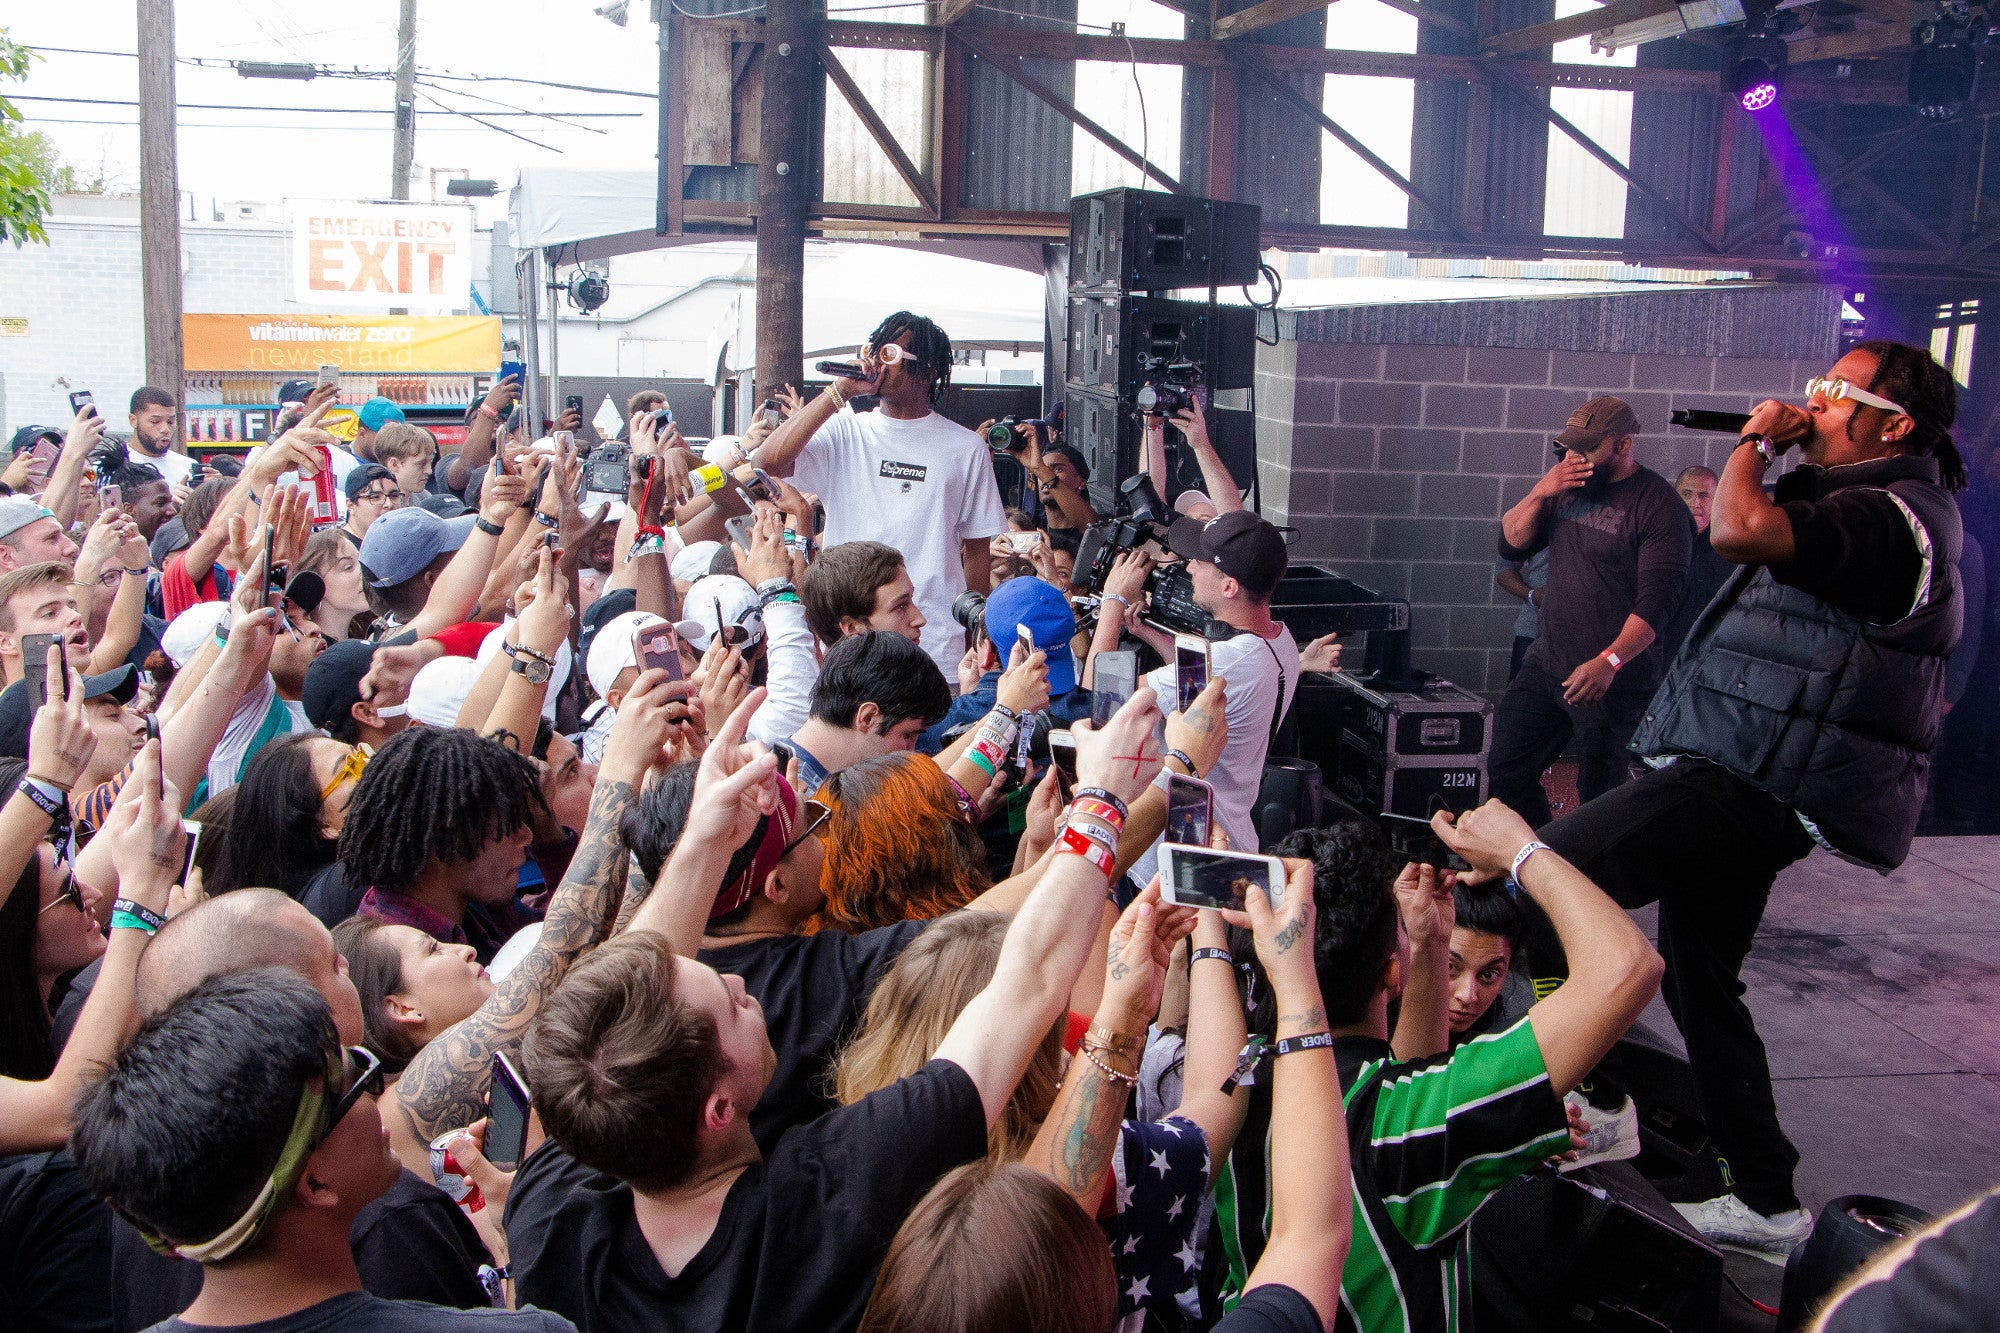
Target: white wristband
[[1521, 859]]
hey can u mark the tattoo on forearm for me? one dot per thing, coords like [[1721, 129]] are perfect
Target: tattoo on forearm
[[1091, 1129], [1314, 1017], [445, 1086]]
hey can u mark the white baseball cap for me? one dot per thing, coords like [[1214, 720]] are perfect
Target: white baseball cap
[[611, 650], [736, 602], [189, 630], [694, 561], [440, 689]]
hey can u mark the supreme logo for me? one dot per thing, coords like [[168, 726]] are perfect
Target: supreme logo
[[895, 471]]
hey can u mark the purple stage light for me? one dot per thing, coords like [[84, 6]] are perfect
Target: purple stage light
[[1760, 96]]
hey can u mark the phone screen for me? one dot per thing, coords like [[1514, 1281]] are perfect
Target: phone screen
[[1198, 877], [1190, 803], [193, 831], [657, 646], [1115, 676], [506, 1115], [80, 400], [1414, 840], [35, 667], [1190, 670]]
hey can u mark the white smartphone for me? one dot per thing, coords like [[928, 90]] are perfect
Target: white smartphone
[[1191, 667], [1200, 877], [1022, 542], [327, 375], [1190, 807]]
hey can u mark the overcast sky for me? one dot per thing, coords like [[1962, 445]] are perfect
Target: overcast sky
[[248, 151]]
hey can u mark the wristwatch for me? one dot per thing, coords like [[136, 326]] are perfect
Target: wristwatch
[[1762, 444], [535, 667]]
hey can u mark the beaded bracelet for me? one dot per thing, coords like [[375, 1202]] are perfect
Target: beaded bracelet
[[1100, 794], [1129, 1080]]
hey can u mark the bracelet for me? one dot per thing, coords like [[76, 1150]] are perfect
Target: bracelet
[[1105, 1039], [1117, 597], [1129, 1080], [128, 915], [135, 573], [1006, 712], [772, 587], [1521, 859], [1210, 951], [1098, 793], [979, 756], [1089, 849], [487, 409], [1613, 658], [839, 401], [1181, 755], [783, 598], [523, 650], [222, 633], [1097, 833], [48, 798], [1091, 807], [479, 524], [652, 545], [546, 520], [1312, 1041], [968, 808]]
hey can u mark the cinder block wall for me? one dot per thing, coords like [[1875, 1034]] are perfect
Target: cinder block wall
[[1396, 460]]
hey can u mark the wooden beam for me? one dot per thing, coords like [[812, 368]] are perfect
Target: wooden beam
[[1265, 14], [1869, 41], [864, 110], [1432, 15], [947, 144], [1539, 35], [1011, 67], [1505, 78], [1251, 63], [1222, 110]]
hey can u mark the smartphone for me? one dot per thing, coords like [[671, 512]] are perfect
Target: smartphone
[[517, 369], [329, 376], [506, 1115], [740, 528], [196, 474], [1414, 840], [657, 646], [565, 439], [274, 582], [1026, 637], [1190, 669], [663, 417], [1022, 542], [109, 496], [1062, 757], [1116, 676], [80, 400], [193, 831], [1190, 806], [573, 402], [1200, 877], [771, 411], [35, 667]]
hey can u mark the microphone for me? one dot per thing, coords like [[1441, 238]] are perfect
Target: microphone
[[1700, 418]]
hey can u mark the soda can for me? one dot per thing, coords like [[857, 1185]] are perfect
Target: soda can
[[450, 1177]]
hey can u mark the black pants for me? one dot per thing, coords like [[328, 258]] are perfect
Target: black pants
[[1531, 726], [1706, 846]]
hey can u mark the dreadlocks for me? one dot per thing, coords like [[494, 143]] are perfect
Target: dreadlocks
[[433, 791], [928, 344], [1912, 376]]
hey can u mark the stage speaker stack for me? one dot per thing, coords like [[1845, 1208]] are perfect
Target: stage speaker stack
[[1126, 246]]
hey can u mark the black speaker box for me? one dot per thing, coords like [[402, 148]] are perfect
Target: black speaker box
[[1596, 1251], [1140, 240], [1110, 338]]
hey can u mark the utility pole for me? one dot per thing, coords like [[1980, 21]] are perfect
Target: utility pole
[[159, 200], [783, 179], [406, 102]]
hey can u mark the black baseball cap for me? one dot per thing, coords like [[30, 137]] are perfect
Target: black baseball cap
[[29, 436], [1238, 544], [295, 391], [333, 681], [363, 477], [17, 711]]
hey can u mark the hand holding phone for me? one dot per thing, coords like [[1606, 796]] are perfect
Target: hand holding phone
[[1115, 676], [507, 1109], [1220, 881], [80, 402], [35, 667], [1190, 810], [657, 646], [1414, 841]]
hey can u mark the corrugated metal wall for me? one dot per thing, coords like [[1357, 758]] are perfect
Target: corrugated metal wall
[[1675, 139], [1517, 140], [1277, 145], [1017, 148]]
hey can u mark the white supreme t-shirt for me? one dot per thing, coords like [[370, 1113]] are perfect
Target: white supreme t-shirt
[[920, 486]]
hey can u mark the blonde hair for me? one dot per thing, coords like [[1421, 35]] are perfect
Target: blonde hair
[[400, 439], [915, 1005]]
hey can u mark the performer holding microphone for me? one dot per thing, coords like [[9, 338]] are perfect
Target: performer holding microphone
[[1802, 709]]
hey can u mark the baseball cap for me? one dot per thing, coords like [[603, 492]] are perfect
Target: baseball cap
[[17, 710], [377, 413], [1599, 417], [1189, 499], [363, 477], [295, 391], [440, 690], [694, 561], [29, 436], [188, 631], [1238, 544], [611, 651], [17, 512], [737, 602], [770, 850], [333, 683], [444, 505], [403, 542], [1046, 613]]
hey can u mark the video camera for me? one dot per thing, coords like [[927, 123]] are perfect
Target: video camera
[[1169, 387], [1169, 587]]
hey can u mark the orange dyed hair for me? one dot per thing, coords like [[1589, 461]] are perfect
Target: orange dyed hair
[[896, 847]]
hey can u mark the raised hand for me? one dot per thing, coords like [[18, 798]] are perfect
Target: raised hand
[[736, 784], [1024, 685], [1202, 732], [144, 833], [1570, 472], [61, 740], [1424, 898], [647, 718], [1489, 838], [1142, 944], [1123, 758]]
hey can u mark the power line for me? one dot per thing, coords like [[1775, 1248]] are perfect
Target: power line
[[356, 72], [340, 110]]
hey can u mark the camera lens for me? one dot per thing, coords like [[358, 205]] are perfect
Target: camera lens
[[969, 610]]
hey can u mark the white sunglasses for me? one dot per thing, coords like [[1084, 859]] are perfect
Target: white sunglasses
[[1835, 390]]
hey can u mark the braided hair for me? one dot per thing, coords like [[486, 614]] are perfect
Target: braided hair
[[1912, 376], [434, 791], [928, 344]]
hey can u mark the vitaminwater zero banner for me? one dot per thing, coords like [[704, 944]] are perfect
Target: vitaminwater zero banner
[[298, 345]]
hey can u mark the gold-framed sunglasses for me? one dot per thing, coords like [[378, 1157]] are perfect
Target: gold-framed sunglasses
[[816, 814], [1833, 390]]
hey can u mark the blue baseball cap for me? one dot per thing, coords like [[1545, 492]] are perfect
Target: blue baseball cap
[[403, 542], [1025, 600], [377, 413]]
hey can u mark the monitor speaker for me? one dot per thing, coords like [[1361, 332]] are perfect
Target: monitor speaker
[[1142, 240]]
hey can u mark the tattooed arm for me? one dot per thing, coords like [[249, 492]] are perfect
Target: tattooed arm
[[1075, 1143], [445, 1086]]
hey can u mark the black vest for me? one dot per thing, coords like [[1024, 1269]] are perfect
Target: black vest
[[1832, 716]]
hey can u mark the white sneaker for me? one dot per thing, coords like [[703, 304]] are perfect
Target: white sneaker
[[1614, 1135], [1735, 1225]]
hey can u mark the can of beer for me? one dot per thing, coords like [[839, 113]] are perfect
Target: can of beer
[[450, 1177]]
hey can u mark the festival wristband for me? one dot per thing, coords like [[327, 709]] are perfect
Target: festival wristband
[[1096, 809], [546, 520], [1098, 793], [1074, 841], [142, 917], [1186, 762], [480, 524], [1119, 598], [1312, 1041], [967, 807], [1096, 832], [1004, 711], [48, 798], [1211, 952], [1521, 859], [978, 756]]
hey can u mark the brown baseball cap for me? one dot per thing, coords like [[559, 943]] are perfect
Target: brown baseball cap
[[1596, 419]]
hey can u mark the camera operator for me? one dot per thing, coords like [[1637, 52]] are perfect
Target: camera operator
[[1802, 709], [1236, 561], [1222, 495], [902, 475], [1061, 476]]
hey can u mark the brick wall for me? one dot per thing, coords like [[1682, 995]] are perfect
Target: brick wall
[[1396, 461]]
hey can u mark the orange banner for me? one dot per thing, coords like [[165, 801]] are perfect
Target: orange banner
[[364, 344]]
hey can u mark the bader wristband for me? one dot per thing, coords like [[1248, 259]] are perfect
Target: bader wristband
[[1181, 755], [1521, 859], [1074, 840], [1006, 712], [48, 798], [1211, 951], [128, 915], [1312, 1041]]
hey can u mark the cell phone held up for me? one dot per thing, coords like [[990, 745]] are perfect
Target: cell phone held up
[[35, 667], [507, 1110], [80, 400], [1116, 675], [1414, 841], [1191, 667], [657, 646], [1190, 809], [1201, 877]]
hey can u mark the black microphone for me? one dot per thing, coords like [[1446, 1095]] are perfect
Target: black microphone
[[1700, 418]]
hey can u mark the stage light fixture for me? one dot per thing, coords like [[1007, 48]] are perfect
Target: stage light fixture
[[1942, 70], [588, 290], [1756, 74]]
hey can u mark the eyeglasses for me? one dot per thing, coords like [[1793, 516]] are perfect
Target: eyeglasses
[[387, 499], [364, 1075], [1834, 390], [350, 768], [816, 816], [68, 893]]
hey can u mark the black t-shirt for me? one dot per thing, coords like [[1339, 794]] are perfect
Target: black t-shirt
[[412, 1244], [813, 989], [53, 1248], [799, 1236], [1271, 1309], [71, 1007], [1624, 552], [1857, 551], [1707, 572], [1949, 1284], [358, 1310], [331, 896]]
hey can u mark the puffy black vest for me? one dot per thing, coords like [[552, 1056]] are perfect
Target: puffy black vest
[[1832, 716]]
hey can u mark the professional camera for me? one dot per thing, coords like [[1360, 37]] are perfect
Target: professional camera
[[969, 610], [1169, 587], [1011, 433], [609, 469], [1169, 387]]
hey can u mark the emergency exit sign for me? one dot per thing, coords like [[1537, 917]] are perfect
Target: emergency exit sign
[[415, 257]]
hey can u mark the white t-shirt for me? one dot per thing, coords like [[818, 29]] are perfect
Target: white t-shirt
[[920, 486], [1257, 699], [174, 467]]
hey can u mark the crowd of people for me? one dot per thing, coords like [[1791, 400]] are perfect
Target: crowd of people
[[496, 899]]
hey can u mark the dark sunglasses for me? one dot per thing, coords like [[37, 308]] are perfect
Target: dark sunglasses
[[68, 893], [816, 817], [364, 1075]]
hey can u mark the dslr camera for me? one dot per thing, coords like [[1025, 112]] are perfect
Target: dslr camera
[[609, 469], [1169, 587], [1011, 433], [1169, 387]]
